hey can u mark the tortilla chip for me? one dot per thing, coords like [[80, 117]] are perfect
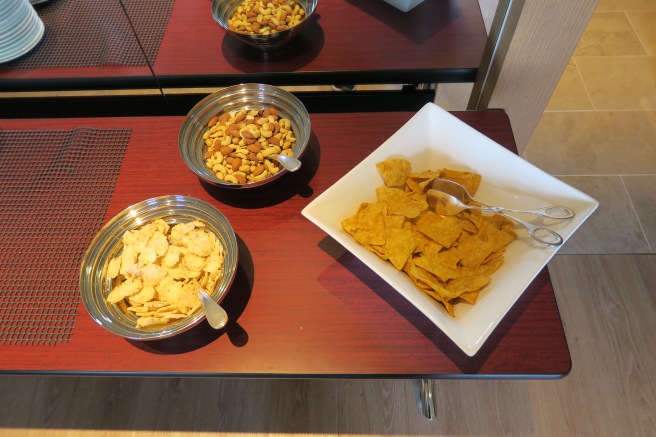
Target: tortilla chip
[[471, 181], [368, 224], [399, 202], [442, 229], [394, 172], [399, 245]]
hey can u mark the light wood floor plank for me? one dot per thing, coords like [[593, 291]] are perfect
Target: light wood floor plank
[[608, 305]]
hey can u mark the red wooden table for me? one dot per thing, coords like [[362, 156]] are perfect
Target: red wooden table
[[355, 41], [300, 305]]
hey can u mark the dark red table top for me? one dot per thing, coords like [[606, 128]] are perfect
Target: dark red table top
[[366, 41], [354, 41], [300, 305]]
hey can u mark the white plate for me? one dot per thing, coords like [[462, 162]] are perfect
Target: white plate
[[431, 140]]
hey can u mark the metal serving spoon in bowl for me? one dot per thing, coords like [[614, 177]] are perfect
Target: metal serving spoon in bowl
[[288, 162], [451, 197], [216, 316]]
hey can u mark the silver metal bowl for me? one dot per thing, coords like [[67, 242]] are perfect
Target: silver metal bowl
[[222, 10], [95, 285], [235, 98]]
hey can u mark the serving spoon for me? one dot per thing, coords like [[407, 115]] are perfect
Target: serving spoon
[[288, 162], [449, 196], [216, 316]]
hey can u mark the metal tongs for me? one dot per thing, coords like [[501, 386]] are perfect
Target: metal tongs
[[451, 197]]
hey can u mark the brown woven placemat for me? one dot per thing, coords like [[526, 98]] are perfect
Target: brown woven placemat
[[91, 33], [55, 186]]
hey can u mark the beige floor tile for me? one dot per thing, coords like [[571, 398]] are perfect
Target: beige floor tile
[[594, 143], [614, 227], [570, 93], [644, 24], [619, 82], [643, 198], [609, 34], [626, 5]]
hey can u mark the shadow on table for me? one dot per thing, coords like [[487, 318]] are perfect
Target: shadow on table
[[301, 51], [412, 24]]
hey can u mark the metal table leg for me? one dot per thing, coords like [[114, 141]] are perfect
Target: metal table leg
[[427, 401]]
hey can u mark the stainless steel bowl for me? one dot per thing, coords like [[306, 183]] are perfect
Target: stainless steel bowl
[[95, 285], [235, 98], [222, 10]]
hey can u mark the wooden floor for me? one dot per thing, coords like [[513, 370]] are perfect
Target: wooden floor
[[608, 305]]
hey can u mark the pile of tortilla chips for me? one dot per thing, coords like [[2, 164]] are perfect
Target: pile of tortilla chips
[[161, 268], [449, 257]]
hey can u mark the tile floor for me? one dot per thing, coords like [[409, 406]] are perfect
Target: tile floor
[[598, 132]]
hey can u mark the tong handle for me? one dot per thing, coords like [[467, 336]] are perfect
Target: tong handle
[[553, 212], [544, 235]]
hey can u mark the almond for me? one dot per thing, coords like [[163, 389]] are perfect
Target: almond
[[258, 170]]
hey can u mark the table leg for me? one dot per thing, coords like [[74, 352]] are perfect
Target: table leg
[[427, 401]]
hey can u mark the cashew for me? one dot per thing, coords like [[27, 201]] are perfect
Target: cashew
[[269, 151], [261, 176], [219, 168]]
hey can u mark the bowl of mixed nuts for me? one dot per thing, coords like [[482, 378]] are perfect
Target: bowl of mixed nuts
[[267, 25], [230, 138]]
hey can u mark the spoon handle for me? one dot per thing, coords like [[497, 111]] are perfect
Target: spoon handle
[[215, 315]]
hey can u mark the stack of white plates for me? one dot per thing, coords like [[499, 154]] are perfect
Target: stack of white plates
[[21, 29]]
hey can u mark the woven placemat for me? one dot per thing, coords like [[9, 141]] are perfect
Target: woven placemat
[[92, 33], [55, 187]]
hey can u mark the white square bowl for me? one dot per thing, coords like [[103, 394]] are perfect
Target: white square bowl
[[434, 139]]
